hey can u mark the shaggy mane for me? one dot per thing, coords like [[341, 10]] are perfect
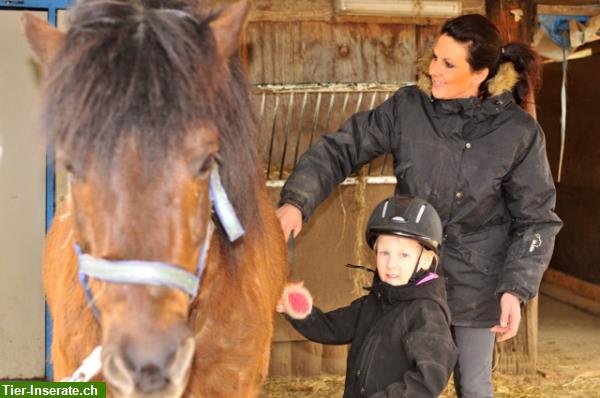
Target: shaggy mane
[[148, 70]]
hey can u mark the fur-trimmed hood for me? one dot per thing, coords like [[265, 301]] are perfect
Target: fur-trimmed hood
[[505, 80]]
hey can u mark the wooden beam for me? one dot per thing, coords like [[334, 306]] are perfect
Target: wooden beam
[[291, 10], [518, 355], [514, 18], [577, 286], [569, 2], [543, 9], [473, 6], [324, 11], [387, 19]]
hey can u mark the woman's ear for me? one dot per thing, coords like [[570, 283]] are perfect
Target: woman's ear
[[480, 76]]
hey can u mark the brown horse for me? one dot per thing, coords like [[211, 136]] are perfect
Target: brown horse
[[142, 99]]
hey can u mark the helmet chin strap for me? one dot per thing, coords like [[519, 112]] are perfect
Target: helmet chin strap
[[416, 267]]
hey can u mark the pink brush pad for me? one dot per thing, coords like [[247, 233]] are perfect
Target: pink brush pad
[[299, 302]]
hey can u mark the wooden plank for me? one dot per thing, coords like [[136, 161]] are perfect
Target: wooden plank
[[388, 19], [291, 10], [280, 364], [570, 2], [518, 355], [543, 9], [324, 11], [274, 52], [575, 285], [283, 331], [565, 295], [334, 359], [531, 314], [473, 6], [317, 52], [306, 358], [426, 37], [375, 53]]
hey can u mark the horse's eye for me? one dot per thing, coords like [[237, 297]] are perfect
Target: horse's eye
[[74, 172], [204, 166], [69, 167]]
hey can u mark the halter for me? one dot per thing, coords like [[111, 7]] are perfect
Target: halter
[[156, 273]]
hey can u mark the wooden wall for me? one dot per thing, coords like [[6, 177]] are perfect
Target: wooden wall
[[577, 251], [299, 41]]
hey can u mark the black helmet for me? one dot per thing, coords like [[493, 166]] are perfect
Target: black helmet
[[408, 216]]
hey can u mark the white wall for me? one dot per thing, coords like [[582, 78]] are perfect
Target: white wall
[[22, 207]]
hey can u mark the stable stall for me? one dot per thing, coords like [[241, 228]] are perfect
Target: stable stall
[[312, 64]]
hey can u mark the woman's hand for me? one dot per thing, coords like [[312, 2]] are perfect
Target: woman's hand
[[510, 317], [290, 218]]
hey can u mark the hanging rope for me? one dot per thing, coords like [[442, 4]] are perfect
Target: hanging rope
[[563, 106]]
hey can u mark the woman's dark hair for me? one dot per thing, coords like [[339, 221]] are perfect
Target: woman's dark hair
[[486, 51]]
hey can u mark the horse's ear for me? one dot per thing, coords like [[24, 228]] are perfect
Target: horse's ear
[[227, 28], [44, 39]]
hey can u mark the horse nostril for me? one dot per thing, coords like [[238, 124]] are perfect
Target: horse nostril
[[151, 378], [117, 374]]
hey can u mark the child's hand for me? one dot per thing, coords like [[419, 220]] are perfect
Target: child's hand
[[280, 307], [296, 301]]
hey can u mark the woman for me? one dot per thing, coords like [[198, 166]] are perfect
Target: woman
[[461, 140]]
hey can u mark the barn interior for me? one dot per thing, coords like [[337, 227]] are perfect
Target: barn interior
[[311, 64]]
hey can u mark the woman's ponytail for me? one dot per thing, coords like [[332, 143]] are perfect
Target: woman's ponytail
[[528, 65]]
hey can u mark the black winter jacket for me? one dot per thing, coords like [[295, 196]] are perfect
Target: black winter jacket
[[401, 345], [481, 164]]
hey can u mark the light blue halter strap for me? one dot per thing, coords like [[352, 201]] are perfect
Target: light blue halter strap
[[157, 273], [225, 211], [139, 272]]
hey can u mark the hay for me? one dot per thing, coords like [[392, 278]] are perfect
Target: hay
[[584, 385], [360, 279], [309, 387]]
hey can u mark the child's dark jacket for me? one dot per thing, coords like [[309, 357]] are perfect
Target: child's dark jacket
[[401, 345]]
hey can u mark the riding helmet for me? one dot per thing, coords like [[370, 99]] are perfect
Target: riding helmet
[[409, 216]]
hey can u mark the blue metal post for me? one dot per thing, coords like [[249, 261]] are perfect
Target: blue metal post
[[51, 7], [50, 206]]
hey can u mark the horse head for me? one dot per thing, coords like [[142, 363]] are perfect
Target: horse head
[[142, 102]]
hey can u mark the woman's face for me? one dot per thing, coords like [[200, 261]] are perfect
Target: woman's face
[[451, 74], [397, 258]]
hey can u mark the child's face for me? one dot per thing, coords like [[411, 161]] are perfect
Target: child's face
[[396, 258]]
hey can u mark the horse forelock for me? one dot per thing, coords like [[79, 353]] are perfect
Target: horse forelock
[[149, 71]]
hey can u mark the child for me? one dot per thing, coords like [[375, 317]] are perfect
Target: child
[[401, 345]]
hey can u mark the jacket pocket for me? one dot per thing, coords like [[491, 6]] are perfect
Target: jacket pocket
[[484, 264], [365, 365]]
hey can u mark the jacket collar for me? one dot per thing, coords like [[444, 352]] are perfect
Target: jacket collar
[[500, 88], [389, 294]]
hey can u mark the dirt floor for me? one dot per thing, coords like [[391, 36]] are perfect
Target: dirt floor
[[568, 363]]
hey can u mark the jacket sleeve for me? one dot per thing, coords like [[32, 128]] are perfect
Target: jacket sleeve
[[530, 196], [430, 348], [326, 164], [334, 327]]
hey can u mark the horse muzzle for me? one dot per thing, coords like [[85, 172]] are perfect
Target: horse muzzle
[[143, 369]]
